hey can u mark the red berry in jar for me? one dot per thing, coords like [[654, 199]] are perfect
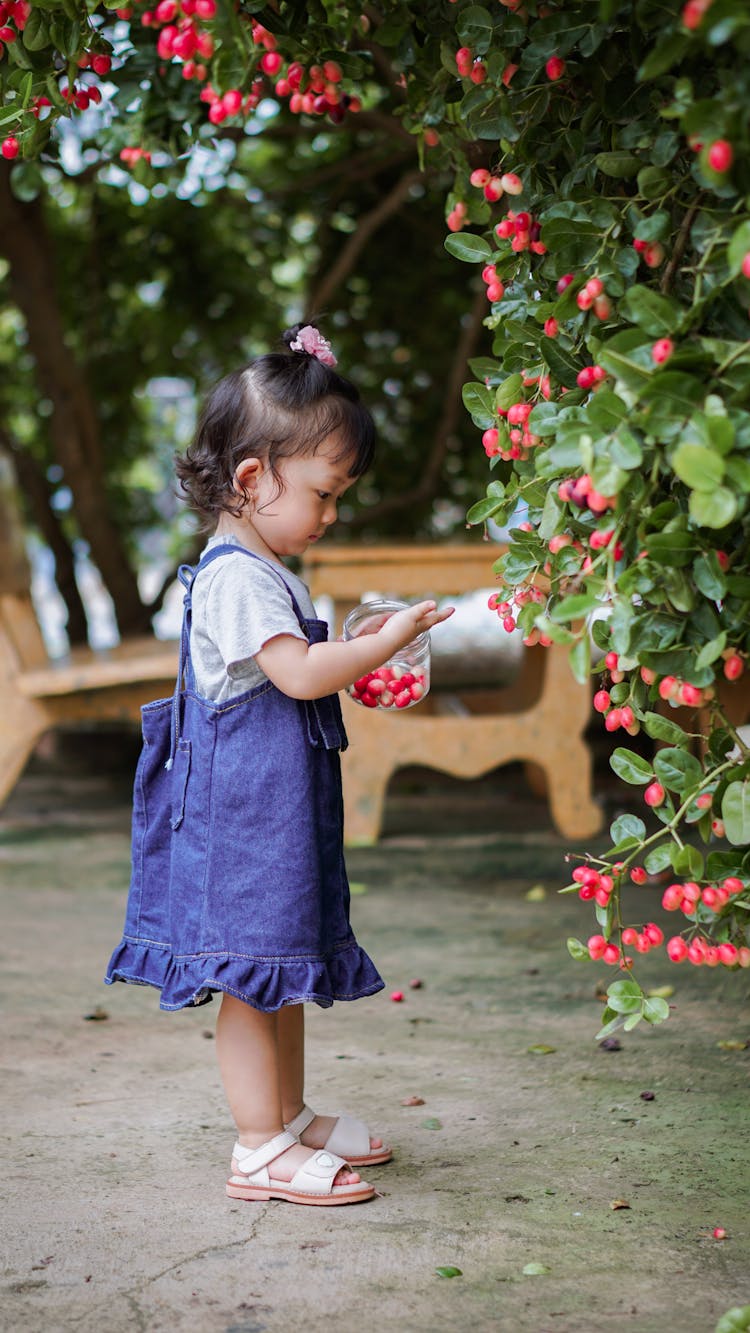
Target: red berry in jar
[[399, 683]]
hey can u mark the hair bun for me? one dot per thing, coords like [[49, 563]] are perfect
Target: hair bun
[[307, 340]]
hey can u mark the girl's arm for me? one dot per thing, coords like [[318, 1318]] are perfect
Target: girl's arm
[[309, 671]]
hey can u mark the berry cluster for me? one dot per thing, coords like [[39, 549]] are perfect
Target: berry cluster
[[581, 492], [652, 252], [494, 187], [470, 66], [391, 686], [505, 610], [592, 296], [522, 230], [14, 16]]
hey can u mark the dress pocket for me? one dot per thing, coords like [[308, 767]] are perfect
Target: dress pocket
[[180, 775]]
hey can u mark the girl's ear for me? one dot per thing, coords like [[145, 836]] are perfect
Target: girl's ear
[[246, 476]]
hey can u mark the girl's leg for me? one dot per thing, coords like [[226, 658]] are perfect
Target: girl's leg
[[291, 1038], [248, 1049]]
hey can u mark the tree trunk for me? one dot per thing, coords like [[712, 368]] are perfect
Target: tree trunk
[[37, 492], [74, 428]]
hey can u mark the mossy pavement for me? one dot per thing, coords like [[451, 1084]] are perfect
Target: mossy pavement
[[117, 1138]]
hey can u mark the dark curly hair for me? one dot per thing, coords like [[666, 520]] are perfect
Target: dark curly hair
[[281, 405]]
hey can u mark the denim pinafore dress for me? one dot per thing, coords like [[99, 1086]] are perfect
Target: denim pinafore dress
[[238, 878]]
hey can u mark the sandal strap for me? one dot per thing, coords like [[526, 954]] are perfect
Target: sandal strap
[[300, 1122], [251, 1160], [318, 1173], [349, 1138]]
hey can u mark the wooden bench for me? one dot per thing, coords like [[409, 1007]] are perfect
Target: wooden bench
[[540, 719], [39, 695]]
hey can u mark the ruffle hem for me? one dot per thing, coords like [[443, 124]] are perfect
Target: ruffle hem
[[265, 983]]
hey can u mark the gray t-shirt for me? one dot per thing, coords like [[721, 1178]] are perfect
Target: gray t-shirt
[[238, 605]]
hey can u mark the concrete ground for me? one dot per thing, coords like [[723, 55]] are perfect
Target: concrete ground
[[117, 1139]]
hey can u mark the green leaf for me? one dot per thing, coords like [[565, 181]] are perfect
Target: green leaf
[[480, 402], [482, 510], [509, 392], [657, 315], [563, 366], [674, 547], [663, 729], [663, 56], [467, 247], [627, 826], [576, 949], [653, 182], [709, 577], [657, 860], [475, 28], [580, 659], [713, 509], [655, 1009], [449, 1270], [687, 861], [535, 1270], [699, 467], [738, 248], [735, 811], [572, 608], [677, 769], [620, 164], [630, 767], [711, 651]]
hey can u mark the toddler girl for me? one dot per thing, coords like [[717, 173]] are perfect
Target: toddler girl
[[239, 885]]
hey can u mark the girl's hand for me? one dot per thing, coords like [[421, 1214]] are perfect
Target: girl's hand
[[403, 626]]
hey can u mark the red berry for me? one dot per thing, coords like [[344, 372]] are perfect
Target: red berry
[[555, 68], [397, 996], [734, 667], [9, 147], [732, 884], [677, 949], [551, 327], [596, 945], [672, 898], [511, 183], [564, 282], [611, 954], [654, 794], [639, 875], [601, 701], [662, 350], [720, 155], [611, 661]]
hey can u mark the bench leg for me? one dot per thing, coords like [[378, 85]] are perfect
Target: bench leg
[[19, 734], [574, 812], [364, 797]]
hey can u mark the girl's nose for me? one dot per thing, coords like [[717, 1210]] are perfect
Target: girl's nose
[[330, 514]]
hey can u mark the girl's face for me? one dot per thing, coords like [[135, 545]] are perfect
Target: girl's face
[[290, 520]]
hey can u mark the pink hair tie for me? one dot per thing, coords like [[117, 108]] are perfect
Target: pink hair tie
[[310, 340]]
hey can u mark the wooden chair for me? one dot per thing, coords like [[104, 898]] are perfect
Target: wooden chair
[[539, 720]]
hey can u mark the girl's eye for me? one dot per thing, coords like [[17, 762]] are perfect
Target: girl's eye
[[324, 495]]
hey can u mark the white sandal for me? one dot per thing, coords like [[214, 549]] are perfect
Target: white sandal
[[312, 1183], [349, 1138]]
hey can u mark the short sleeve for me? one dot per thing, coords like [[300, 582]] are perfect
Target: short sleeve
[[246, 605]]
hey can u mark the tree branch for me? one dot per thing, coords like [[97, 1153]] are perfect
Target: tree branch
[[431, 474], [367, 226], [679, 245]]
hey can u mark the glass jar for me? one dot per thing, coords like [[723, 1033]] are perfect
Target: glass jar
[[404, 679]]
